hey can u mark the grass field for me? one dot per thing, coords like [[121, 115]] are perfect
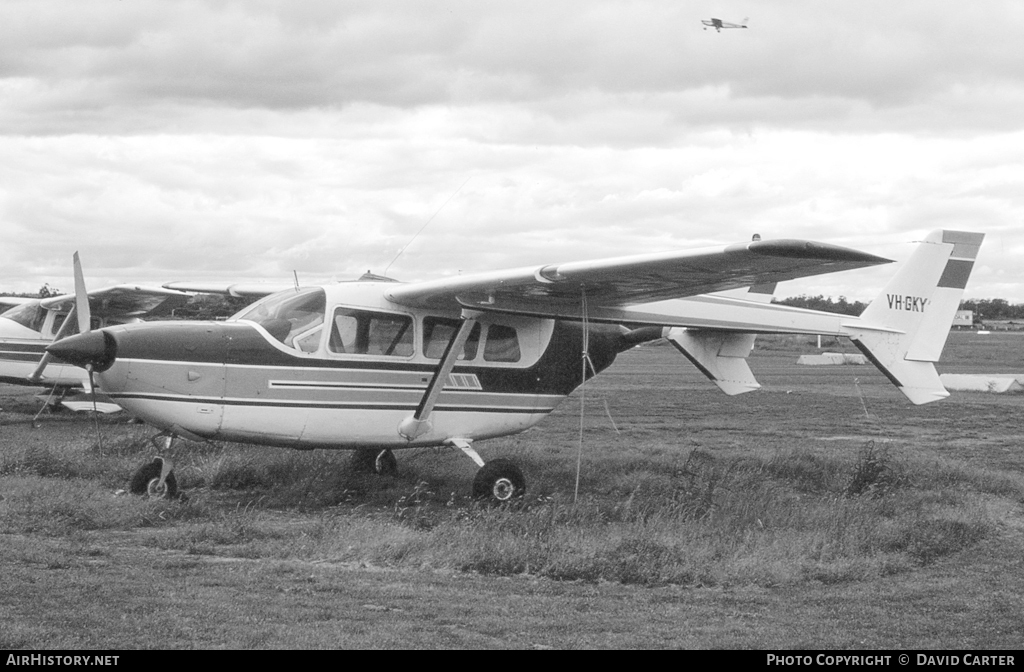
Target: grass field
[[822, 511]]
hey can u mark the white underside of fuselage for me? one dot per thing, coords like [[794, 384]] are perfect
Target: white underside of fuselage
[[311, 407]]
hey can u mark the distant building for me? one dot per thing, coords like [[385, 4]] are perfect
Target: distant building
[[963, 318]]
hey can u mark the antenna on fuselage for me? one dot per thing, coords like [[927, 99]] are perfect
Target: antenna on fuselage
[[425, 225]]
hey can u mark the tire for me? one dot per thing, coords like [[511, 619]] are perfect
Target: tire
[[499, 481], [145, 480], [385, 464], [374, 461], [363, 461]]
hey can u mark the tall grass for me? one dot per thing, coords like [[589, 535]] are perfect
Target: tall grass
[[709, 518]]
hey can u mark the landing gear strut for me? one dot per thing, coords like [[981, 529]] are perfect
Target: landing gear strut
[[498, 481], [374, 460]]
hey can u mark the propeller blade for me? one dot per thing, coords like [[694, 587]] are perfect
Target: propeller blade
[[81, 298], [37, 375]]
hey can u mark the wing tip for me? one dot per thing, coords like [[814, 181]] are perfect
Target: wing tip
[[805, 249]]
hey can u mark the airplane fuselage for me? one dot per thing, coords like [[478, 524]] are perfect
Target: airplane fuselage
[[342, 367], [25, 331]]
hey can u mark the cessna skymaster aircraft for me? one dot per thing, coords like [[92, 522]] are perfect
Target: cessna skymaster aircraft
[[718, 24], [32, 324], [386, 365]]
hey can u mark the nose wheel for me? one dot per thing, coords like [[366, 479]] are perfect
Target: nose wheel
[[155, 480]]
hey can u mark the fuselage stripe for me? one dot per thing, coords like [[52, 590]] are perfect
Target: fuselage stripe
[[327, 385], [309, 405]]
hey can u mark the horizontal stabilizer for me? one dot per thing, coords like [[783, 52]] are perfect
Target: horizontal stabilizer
[[719, 355]]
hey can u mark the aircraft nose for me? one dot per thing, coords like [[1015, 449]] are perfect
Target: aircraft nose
[[94, 349]]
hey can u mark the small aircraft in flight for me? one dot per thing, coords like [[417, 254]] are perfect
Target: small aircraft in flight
[[718, 24], [382, 365], [32, 324]]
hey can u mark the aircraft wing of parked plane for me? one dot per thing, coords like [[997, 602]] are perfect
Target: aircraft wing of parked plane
[[556, 290], [374, 366], [123, 302], [249, 290], [8, 302]]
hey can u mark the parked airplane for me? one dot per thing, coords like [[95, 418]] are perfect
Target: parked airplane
[[385, 365], [32, 324], [718, 24]]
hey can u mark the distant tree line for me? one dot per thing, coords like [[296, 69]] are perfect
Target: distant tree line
[[994, 309], [211, 307], [44, 292], [824, 303]]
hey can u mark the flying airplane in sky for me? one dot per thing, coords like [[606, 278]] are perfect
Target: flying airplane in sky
[[382, 365], [32, 324], [718, 24]]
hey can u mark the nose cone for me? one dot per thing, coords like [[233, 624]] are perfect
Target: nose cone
[[94, 349]]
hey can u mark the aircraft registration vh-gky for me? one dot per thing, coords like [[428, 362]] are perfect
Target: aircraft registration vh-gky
[[382, 365]]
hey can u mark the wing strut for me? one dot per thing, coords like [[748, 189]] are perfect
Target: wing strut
[[418, 423]]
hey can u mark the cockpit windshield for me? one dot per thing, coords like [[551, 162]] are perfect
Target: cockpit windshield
[[30, 315], [294, 318]]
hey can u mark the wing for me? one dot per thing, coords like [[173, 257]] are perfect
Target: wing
[[124, 301], [251, 290], [8, 302], [557, 289], [237, 289]]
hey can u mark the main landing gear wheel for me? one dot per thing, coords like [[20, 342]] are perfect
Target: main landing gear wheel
[[146, 481], [499, 481], [385, 464], [375, 461]]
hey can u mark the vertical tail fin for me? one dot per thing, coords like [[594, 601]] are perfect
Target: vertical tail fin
[[904, 329]]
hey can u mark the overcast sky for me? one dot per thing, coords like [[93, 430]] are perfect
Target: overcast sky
[[170, 140]]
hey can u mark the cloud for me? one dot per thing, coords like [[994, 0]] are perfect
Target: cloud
[[800, 63], [251, 139]]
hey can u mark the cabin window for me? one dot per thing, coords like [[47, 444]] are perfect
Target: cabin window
[[439, 331], [30, 315], [294, 318], [502, 344], [58, 323], [310, 341], [364, 332]]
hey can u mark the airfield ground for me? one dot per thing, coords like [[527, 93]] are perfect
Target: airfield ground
[[822, 511]]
